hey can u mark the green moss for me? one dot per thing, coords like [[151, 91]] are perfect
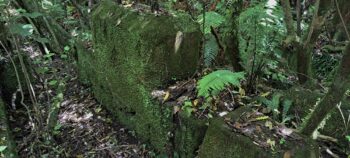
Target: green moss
[[134, 54], [220, 141], [189, 135], [5, 134]]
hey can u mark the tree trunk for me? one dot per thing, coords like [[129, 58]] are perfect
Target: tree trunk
[[232, 41], [335, 94], [303, 48]]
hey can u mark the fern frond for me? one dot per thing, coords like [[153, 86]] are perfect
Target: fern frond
[[211, 49], [216, 81], [211, 19]]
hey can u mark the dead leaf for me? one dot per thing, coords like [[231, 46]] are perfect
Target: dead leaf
[[195, 102], [166, 97], [241, 91], [287, 154], [98, 110], [176, 109], [269, 125], [272, 143], [221, 114], [237, 125], [258, 128], [265, 94], [80, 156], [286, 131], [261, 118], [118, 22], [157, 94]]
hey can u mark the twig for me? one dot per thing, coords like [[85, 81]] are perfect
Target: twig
[[329, 151], [327, 138], [342, 19]]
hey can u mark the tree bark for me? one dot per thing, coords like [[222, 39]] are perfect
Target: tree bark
[[303, 47], [288, 18], [232, 43], [335, 94]]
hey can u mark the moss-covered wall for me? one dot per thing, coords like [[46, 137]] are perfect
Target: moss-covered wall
[[189, 135], [133, 54]]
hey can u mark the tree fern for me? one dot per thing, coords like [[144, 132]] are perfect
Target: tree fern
[[216, 81]]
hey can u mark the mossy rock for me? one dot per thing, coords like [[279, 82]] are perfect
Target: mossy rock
[[6, 139], [221, 141], [135, 54], [189, 135], [304, 101]]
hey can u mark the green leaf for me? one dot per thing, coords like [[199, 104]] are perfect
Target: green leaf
[[3, 148], [49, 55], [42, 40], [22, 29], [211, 19], [32, 15], [66, 48], [286, 106], [348, 138], [57, 127], [211, 49], [42, 70], [275, 101], [216, 81], [53, 82], [64, 56], [187, 108]]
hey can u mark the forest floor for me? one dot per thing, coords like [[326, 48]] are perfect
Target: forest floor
[[84, 128]]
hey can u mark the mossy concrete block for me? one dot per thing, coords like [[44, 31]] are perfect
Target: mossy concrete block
[[134, 53], [221, 142], [189, 135]]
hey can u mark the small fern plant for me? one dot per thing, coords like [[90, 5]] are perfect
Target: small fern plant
[[216, 81], [211, 47]]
